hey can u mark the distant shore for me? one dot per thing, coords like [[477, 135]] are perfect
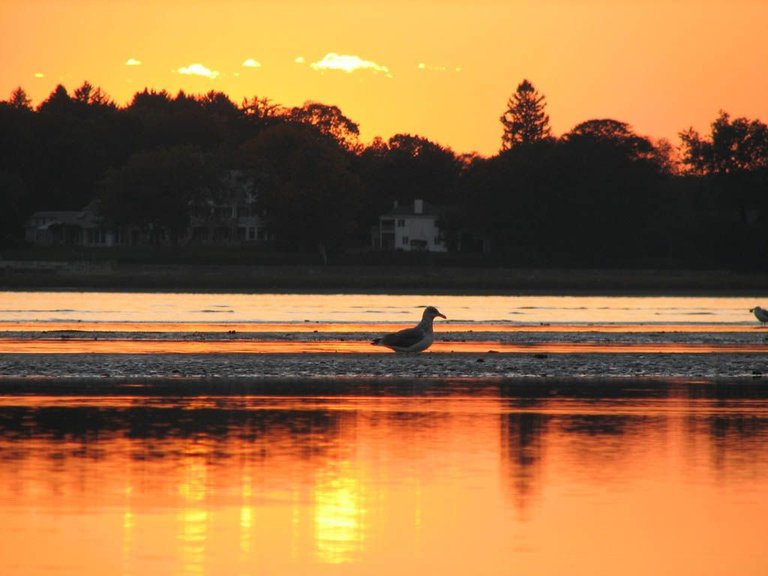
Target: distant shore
[[78, 275]]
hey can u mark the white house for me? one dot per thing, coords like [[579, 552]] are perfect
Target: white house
[[70, 228], [411, 227], [231, 219]]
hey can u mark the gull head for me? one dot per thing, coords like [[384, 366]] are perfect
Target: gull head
[[431, 312]]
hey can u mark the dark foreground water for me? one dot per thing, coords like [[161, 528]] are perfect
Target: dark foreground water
[[353, 475]]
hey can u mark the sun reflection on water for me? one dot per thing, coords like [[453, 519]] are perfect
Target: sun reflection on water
[[246, 515], [194, 516], [193, 535], [339, 515], [129, 527]]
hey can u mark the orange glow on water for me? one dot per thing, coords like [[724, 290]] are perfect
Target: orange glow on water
[[286, 486], [354, 327], [83, 346]]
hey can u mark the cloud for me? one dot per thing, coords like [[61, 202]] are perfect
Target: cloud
[[39, 75], [199, 70], [300, 60], [133, 62], [347, 63], [251, 63], [429, 68]]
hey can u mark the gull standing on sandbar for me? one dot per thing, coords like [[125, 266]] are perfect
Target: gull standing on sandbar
[[412, 339], [760, 313]]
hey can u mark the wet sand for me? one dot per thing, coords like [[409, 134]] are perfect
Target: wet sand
[[432, 365], [341, 351]]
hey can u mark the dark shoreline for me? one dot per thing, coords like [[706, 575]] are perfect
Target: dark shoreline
[[78, 276]]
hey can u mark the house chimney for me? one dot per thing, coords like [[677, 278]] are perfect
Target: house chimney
[[396, 204], [418, 206]]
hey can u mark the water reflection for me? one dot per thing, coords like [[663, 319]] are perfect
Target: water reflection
[[522, 452], [339, 509], [458, 478]]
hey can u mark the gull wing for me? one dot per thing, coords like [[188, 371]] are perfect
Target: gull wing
[[403, 338]]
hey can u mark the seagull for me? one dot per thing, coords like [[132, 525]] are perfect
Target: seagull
[[760, 313], [412, 339]]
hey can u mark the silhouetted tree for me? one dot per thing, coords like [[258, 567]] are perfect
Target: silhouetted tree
[[423, 169], [329, 120], [619, 138], [17, 165], [305, 188], [525, 120], [733, 146], [408, 167], [148, 101], [17, 138], [260, 113], [600, 195], [612, 133], [224, 116], [92, 95], [20, 99], [208, 122], [733, 165], [77, 139], [558, 201], [614, 175], [156, 189], [510, 203], [12, 208], [57, 100]]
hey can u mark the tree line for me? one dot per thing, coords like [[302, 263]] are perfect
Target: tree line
[[598, 195]]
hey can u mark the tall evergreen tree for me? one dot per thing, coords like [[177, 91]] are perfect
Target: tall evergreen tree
[[20, 100], [525, 120]]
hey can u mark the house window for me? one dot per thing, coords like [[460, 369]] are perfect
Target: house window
[[406, 242], [401, 223], [96, 236], [200, 234]]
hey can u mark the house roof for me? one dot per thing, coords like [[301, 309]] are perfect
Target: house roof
[[409, 209], [86, 217]]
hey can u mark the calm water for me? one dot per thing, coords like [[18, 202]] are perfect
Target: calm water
[[451, 478], [222, 462], [256, 308]]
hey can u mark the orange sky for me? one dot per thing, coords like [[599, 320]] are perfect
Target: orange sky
[[442, 69]]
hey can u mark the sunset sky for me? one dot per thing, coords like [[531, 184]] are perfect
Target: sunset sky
[[442, 69]]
